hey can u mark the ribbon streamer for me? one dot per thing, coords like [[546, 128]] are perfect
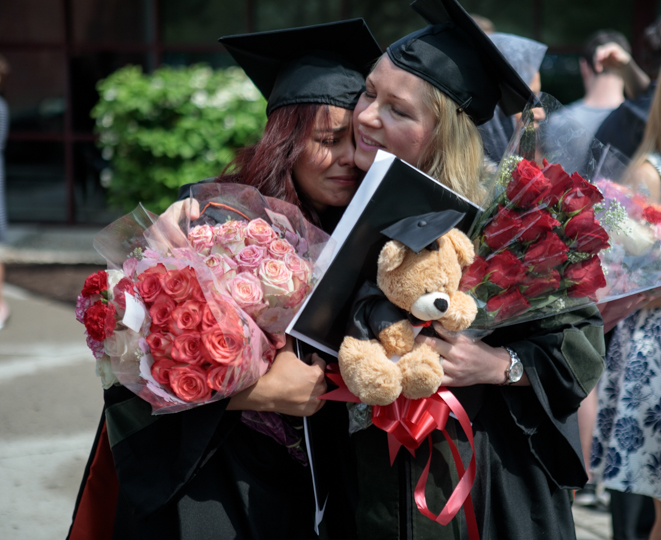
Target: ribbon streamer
[[408, 422]]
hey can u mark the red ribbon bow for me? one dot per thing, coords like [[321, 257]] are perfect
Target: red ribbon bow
[[408, 422]]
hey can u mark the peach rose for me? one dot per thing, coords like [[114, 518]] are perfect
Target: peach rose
[[188, 315], [179, 283], [161, 310], [279, 248], [222, 346], [149, 285], [160, 344], [160, 370], [216, 376], [276, 277], [259, 232], [189, 383], [187, 348]]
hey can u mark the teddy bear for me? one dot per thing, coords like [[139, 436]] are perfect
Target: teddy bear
[[417, 282]]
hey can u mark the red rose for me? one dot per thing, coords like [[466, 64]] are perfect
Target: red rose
[[587, 277], [161, 310], [528, 184], [652, 214], [187, 348], [160, 370], [125, 285], [548, 252], [536, 222], [581, 196], [507, 304], [505, 269], [502, 228], [587, 233], [474, 274], [536, 285], [222, 346], [189, 383], [100, 321], [95, 284], [560, 182], [188, 315], [149, 285], [216, 376], [160, 344], [179, 283]]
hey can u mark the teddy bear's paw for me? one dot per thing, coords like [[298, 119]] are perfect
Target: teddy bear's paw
[[368, 373], [398, 338], [422, 372], [461, 314]]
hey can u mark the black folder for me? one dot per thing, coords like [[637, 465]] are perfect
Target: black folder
[[391, 190]]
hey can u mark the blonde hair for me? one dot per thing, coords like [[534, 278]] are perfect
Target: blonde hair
[[454, 155], [651, 139]]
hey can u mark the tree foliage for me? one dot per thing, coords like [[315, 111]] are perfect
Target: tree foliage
[[172, 127]]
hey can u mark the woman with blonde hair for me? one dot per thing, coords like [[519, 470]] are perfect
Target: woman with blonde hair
[[522, 385]]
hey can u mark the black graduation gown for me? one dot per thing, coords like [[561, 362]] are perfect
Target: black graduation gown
[[526, 444]]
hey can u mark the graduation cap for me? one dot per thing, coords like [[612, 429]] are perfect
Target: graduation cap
[[457, 57], [422, 231], [323, 63]]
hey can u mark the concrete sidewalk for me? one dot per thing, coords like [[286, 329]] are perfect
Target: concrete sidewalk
[[51, 399]]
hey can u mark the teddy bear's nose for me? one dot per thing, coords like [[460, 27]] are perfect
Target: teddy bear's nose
[[441, 304]]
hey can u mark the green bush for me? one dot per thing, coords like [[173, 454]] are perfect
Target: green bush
[[172, 127]]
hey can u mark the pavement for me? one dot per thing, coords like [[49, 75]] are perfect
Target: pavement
[[51, 399]]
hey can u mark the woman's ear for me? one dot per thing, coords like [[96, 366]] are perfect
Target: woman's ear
[[392, 255]]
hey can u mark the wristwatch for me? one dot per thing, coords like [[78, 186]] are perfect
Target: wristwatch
[[515, 371]]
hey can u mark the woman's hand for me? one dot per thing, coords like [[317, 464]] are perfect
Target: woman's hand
[[290, 387], [180, 210], [467, 362]]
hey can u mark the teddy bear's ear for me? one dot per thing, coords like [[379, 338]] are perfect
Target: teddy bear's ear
[[392, 255], [462, 245]]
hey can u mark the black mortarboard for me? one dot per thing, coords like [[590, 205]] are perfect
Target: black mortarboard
[[323, 63], [458, 58], [418, 232]]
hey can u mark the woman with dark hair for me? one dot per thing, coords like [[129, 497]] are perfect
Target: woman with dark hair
[[205, 473]]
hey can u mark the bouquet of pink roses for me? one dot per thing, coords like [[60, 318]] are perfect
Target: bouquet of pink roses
[[187, 313], [546, 239]]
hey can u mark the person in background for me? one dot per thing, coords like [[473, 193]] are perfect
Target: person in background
[[485, 24], [526, 56], [626, 450], [4, 129], [608, 71]]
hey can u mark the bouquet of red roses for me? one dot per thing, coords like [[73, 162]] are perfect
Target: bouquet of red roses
[[183, 323], [547, 242]]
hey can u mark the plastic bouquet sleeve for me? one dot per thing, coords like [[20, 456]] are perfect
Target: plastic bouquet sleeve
[[559, 230], [180, 327]]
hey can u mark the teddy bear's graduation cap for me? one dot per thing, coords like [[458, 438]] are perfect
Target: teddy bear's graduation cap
[[419, 232], [457, 57], [323, 63]]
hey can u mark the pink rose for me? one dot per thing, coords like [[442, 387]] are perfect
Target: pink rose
[[188, 315], [247, 291], [189, 383], [278, 248], [221, 265], [179, 283], [299, 267], [187, 348], [201, 238], [249, 258], [276, 277], [259, 232], [230, 237]]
